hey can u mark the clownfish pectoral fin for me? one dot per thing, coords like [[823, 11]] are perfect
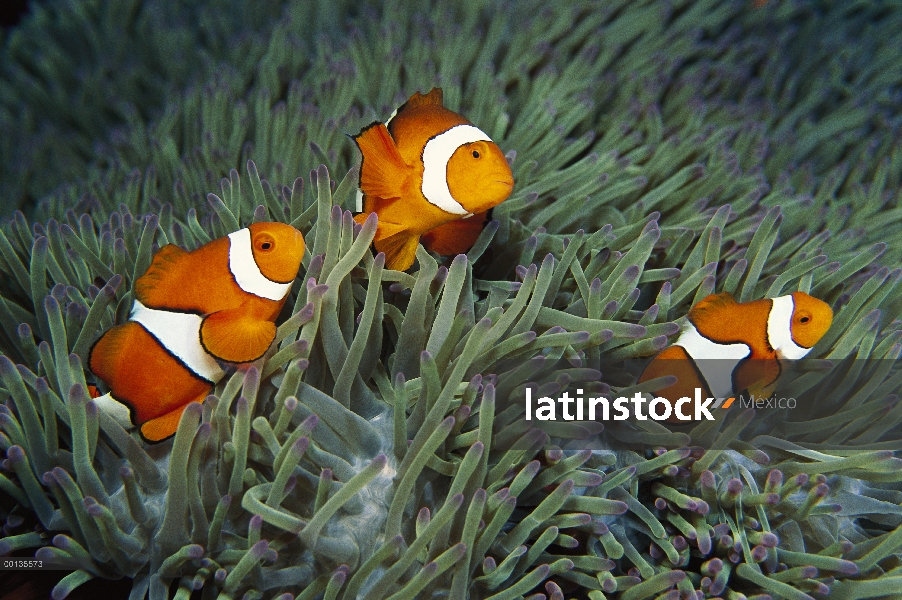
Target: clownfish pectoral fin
[[383, 172], [455, 237], [154, 287], [757, 375], [386, 229], [762, 391], [400, 250], [675, 361], [160, 428], [157, 430], [232, 336]]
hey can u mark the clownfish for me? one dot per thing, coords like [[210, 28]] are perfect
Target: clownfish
[[428, 173], [193, 311], [727, 347], [455, 237]]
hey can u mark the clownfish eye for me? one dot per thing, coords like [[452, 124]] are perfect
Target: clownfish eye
[[264, 243], [805, 319], [475, 154]]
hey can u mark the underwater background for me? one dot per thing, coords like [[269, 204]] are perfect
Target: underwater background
[[662, 151]]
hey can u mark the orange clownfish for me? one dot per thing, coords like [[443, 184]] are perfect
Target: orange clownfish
[[429, 173], [727, 347], [192, 311]]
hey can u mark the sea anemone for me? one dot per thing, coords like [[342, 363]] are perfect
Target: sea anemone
[[661, 152]]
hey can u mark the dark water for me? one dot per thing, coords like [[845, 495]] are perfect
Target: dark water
[[12, 11]]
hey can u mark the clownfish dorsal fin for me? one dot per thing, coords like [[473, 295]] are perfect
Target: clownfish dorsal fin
[[234, 336], [709, 307], [153, 288], [433, 98], [383, 172], [418, 100]]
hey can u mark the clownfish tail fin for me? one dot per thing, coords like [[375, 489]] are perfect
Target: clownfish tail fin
[[383, 171], [108, 351], [155, 286]]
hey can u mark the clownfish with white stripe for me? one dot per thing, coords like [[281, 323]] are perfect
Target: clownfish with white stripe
[[728, 347], [428, 174], [192, 312]]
